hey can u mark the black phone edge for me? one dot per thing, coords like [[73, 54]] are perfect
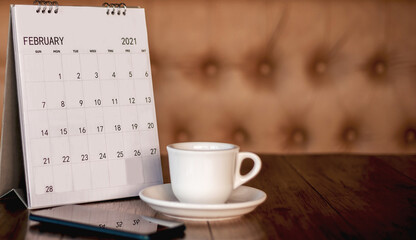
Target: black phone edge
[[163, 234]]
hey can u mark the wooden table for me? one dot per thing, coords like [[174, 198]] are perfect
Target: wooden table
[[314, 196]]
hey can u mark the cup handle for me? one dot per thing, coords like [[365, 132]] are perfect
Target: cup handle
[[241, 179]]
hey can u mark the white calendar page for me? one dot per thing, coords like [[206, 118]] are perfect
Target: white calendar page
[[86, 104]]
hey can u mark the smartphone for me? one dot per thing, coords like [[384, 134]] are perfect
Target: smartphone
[[105, 222]]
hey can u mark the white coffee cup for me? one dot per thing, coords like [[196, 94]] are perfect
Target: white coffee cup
[[207, 172]]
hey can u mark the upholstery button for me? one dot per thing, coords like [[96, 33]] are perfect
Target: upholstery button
[[298, 137], [265, 69], [240, 136], [320, 67], [380, 67], [210, 69], [350, 135], [377, 66], [410, 136], [182, 136]]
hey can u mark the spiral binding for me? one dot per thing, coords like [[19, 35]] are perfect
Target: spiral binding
[[49, 6], [43, 5], [115, 7]]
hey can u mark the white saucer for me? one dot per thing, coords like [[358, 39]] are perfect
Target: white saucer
[[243, 200]]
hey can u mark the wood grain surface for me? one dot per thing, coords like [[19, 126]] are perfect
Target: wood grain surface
[[309, 196]]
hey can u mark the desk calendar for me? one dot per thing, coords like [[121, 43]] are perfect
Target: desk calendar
[[85, 104]]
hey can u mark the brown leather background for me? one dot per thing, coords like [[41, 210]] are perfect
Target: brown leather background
[[280, 76]]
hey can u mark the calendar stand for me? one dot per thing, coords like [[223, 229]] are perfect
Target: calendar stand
[[12, 181], [79, 119]]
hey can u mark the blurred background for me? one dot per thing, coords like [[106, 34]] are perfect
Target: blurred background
[[276, 76]]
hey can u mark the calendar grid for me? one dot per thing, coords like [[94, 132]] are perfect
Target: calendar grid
[[66, 79], [102, 110], [121, 133], [118, 97], [87, 107], [48, 157], [85, 118], [48, 124], [65, 107], [137, 113], [97, 134], [67, 127], [85, 80]]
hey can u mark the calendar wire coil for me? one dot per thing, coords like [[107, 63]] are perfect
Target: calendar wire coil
[[113, 8], [46, 6], [53, 6]]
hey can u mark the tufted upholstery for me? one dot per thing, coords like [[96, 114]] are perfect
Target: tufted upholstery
[[284, 76]]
